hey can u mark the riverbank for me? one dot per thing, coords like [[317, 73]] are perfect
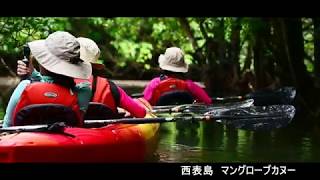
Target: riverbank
[[9, 81]]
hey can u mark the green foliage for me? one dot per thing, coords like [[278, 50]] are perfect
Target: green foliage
[[243, 54], [309, 65], [16, 31], [1, 114], [141, 40], [134, 39], [308, 43], [1, 110]]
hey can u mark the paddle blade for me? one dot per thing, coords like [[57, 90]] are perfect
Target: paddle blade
[[202, 108], [233, 105], [289, 93], [256, 117], [283, 95]]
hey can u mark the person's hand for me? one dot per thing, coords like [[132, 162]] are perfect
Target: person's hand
[[22, 69], [124, 112]]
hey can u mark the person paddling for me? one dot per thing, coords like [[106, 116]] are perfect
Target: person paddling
[[173, 80], [59, 62], [104, 91]]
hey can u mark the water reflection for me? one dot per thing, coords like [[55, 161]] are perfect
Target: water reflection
[[213, 142], [187, 133]]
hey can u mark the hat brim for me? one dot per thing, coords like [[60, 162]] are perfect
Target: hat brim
[[168, 67], [88, 57], [54, 64]]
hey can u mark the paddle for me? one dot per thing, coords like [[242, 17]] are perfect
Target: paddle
[[249, 118], [284, 95], [201, 108], [195, 108]]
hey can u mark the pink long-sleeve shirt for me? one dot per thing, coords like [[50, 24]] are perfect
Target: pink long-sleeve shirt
[[196, 91], [127, 103]]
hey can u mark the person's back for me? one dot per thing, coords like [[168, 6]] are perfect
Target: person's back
[[171, 90], [59, 63], [173, 80], [41, 94], [104, 90]]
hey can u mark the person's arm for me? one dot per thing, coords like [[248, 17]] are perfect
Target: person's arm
[[198, 93], [14, 99], [127, 103], [148, 91]]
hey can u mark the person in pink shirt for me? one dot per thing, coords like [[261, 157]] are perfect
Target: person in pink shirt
[[104, 91], [172, 81]]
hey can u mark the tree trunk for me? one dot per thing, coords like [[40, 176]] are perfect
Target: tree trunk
[[248, 60], [222, 45], [261, 66], [186, 27], [4, 64], [258, 58], [221, 75], [279, 50], [295, 43], [235, 43], [308, 95]]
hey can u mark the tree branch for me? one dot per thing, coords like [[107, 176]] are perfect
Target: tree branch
[[7, 67], [186, 27], [202, 29]]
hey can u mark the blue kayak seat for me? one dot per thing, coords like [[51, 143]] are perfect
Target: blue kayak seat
[[175, 98], [100, 111], [46, 114]]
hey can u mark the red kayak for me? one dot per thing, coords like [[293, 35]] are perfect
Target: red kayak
[[111, 143]]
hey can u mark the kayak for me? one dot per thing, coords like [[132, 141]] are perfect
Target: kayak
[[110, 143]]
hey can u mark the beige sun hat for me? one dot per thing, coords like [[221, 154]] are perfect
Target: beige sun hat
[[173, 60], [89, 50], [60, 53]]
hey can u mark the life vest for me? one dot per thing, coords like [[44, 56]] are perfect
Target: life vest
[[166, 85], [104, 91], [42, 93]]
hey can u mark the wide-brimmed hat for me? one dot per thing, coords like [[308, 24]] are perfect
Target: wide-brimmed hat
[[60, 53], [173, 60], [89, 50]]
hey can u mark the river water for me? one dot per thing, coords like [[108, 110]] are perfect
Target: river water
[[213, 142]]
